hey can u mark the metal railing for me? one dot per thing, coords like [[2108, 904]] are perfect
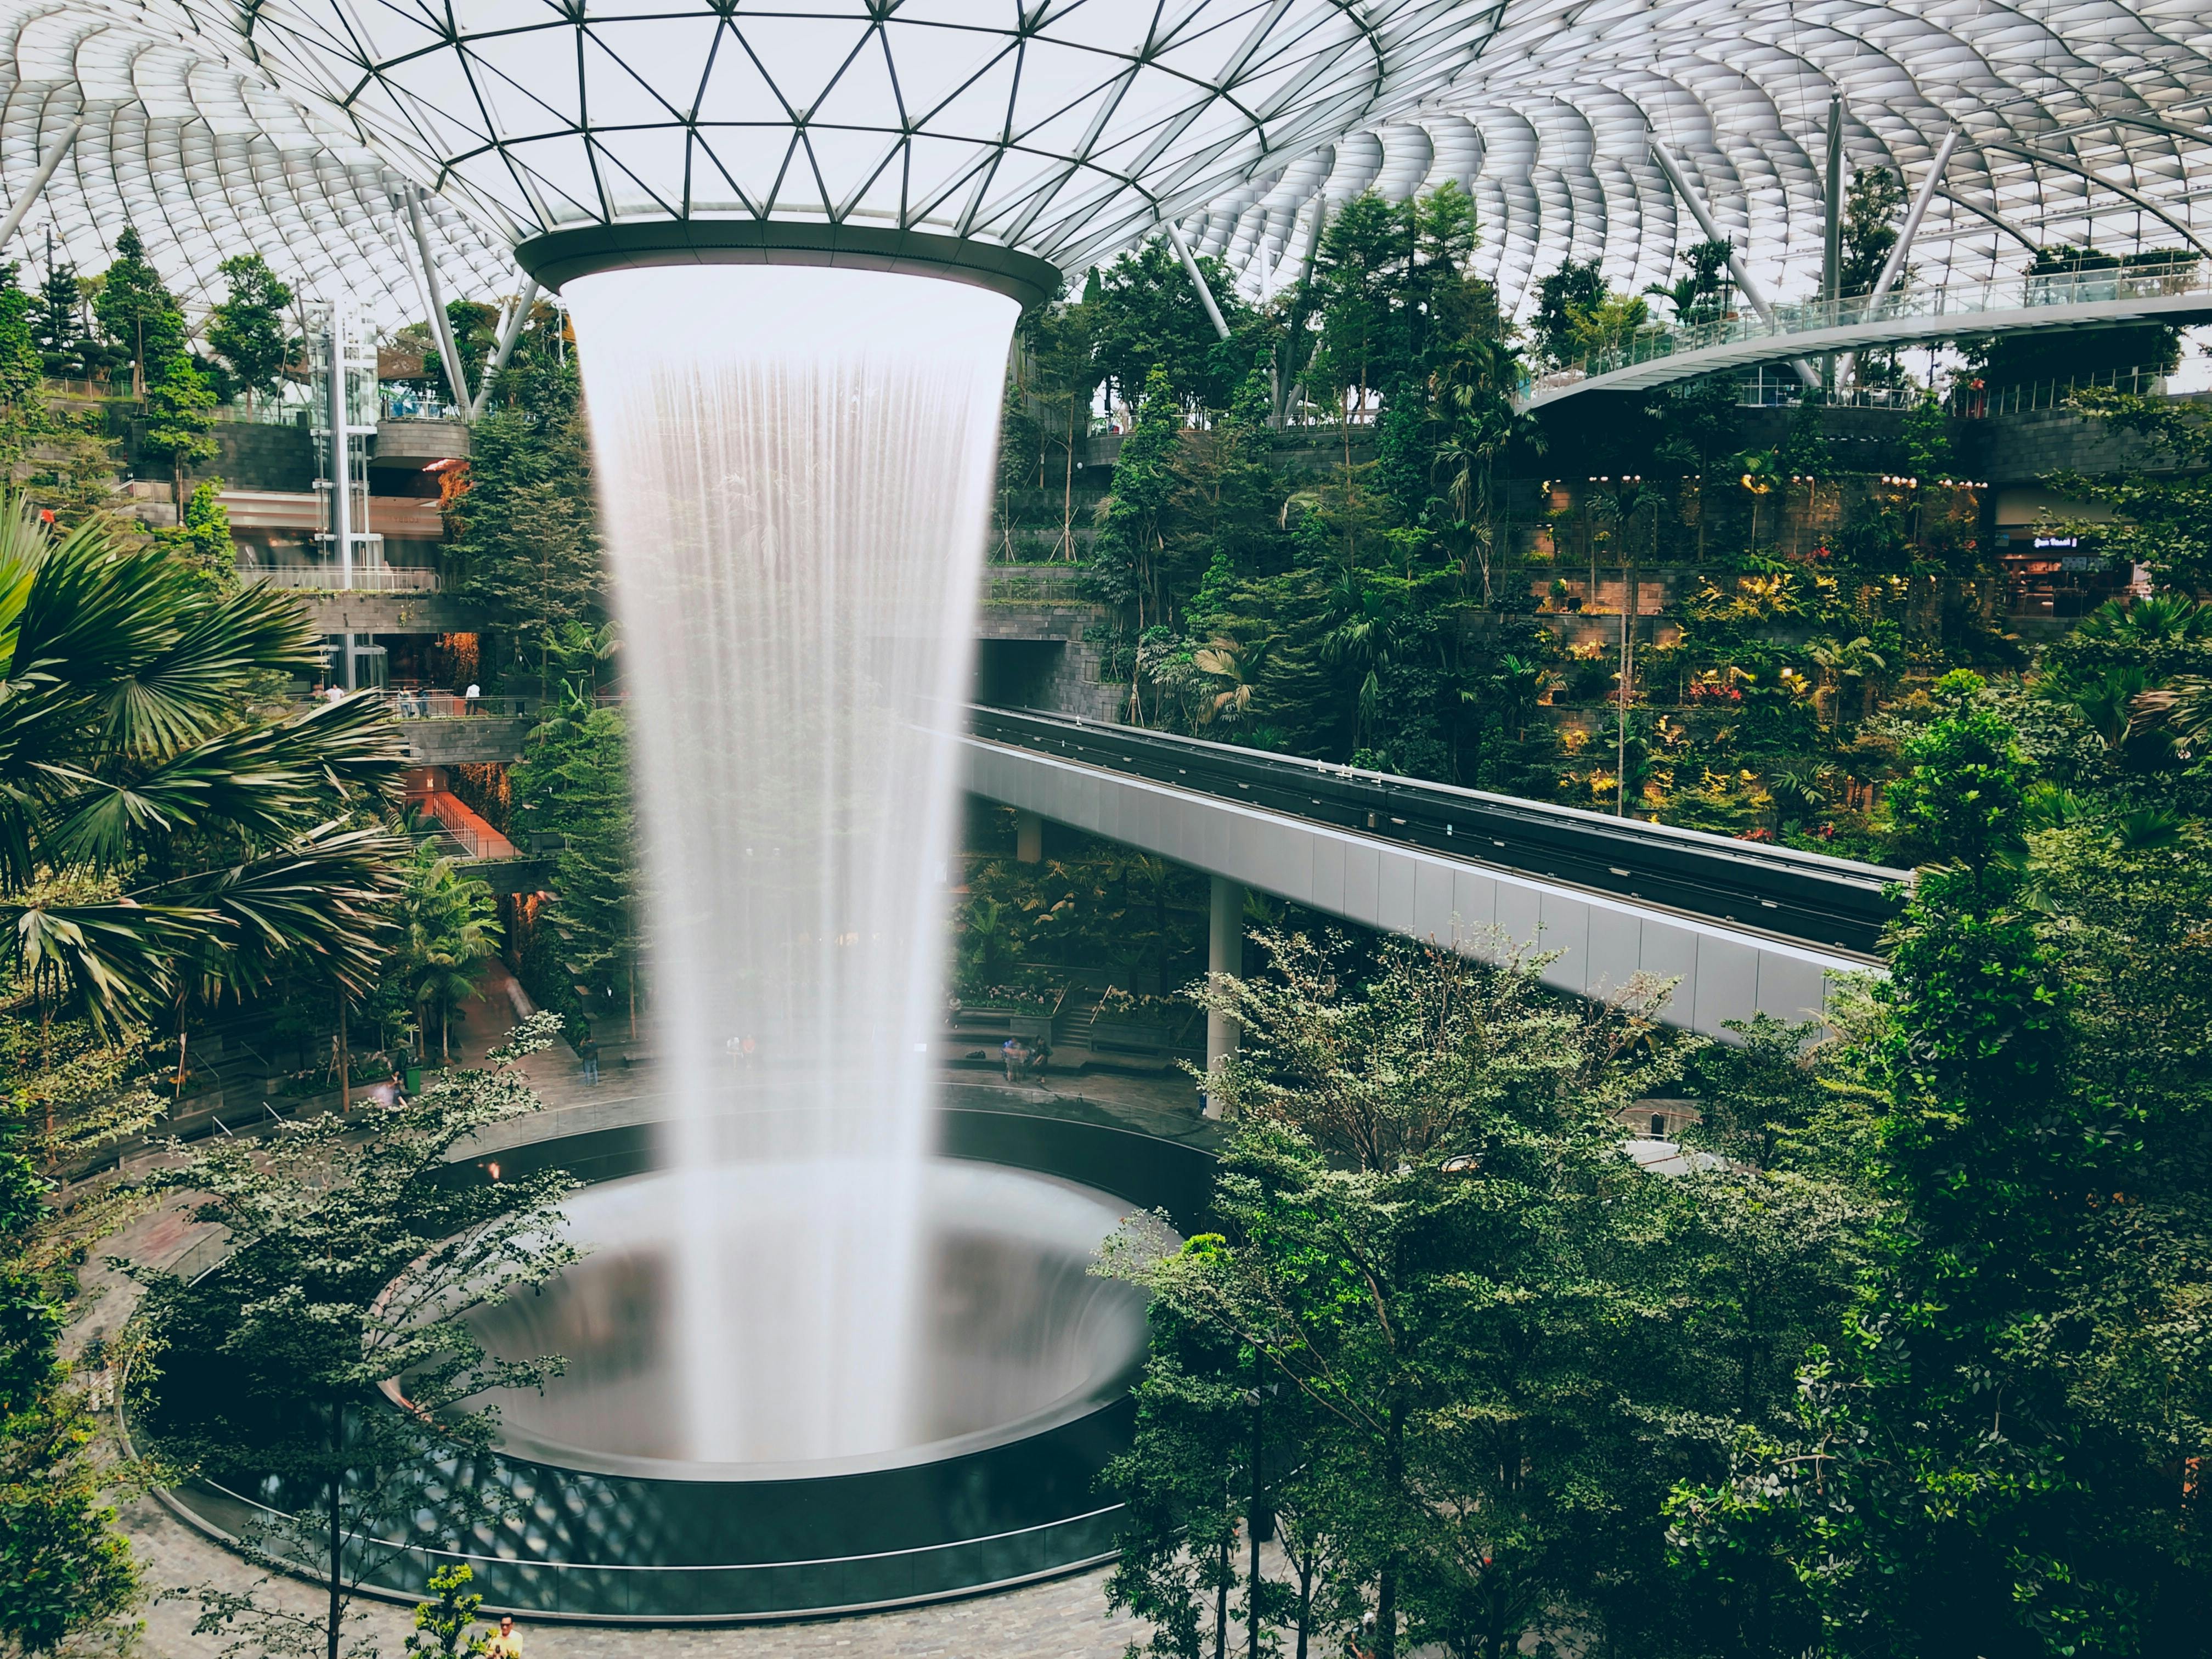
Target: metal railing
[[463, 840], [1066, 584], [2067, 288], [1764, 390], [1975, 403], [429, 703], [262, 413], [370, 578], [398, 1568], [415, 409]]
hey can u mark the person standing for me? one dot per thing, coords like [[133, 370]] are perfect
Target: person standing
[[507, 1644], [470, 698], [589, 1053]]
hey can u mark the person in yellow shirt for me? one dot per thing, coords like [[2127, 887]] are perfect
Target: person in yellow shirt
[[507, 1644]]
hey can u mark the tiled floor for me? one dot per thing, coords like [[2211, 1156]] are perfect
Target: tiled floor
[[1060, 1619]]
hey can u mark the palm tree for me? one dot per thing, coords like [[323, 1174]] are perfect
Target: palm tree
[[1758, 478], [2154, 619], [2120, 702], [1362, 629], [1476, 398], [452, 926], [161, 837], [1235, 665], [1855, 660]]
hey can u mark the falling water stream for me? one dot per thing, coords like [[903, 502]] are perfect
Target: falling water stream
[[794, 465]]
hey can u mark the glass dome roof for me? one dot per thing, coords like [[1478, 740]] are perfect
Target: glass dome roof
[[186, 139], [2080, 122], [1065, 128], [1060, 128]]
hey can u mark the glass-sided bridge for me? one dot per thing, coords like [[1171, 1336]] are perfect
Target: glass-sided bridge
[[2177, 293]]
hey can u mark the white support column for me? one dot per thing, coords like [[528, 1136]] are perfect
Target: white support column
[[1893, 267], [510, 332], [1313, 240], [441, 322], [1197, 278], [1224, 956], [1831, 242], [341, 480], [1737, 269], [29, 195], [1282, 403]]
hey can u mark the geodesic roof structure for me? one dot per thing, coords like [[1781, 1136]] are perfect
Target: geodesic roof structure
[[2080, 122], [1060, 128], [186, 139], [1067, 128]]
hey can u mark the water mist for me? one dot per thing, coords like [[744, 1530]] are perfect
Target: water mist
[[794, 465]]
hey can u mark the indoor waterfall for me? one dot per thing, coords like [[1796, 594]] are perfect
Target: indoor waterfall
[[794, 465]]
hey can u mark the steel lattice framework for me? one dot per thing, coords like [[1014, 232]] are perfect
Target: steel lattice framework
[[1066, 129], [2080, 122], [1062, 129], [185, 138]]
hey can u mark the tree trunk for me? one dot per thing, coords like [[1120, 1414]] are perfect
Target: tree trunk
[[1386, 1589], [1252, 1515], [345, 1065], [1221, 1603], [632, 1001], [179, 1091], [337, 1546], [1068, 490], [1306, 1602]]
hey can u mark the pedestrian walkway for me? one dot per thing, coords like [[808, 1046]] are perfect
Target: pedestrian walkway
[[1058, 1619]]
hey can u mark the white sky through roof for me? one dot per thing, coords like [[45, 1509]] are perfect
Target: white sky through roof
[[1067, 128]]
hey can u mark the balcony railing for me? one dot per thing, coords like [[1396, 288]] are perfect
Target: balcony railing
[[369, 579], [431, 704], [1979, 403], [418, 409], [262, 413], [462, 840], [1962, 301]]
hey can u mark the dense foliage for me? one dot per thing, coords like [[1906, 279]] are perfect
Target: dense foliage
[[352, 1261], [1915, 1362]]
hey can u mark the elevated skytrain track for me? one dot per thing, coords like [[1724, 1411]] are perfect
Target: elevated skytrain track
[[1745, 927]]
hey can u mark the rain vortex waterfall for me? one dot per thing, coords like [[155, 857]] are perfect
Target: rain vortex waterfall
[[794, 466]]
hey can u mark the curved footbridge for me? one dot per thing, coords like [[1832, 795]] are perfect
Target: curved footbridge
[[1742, 928], [2092, 299]]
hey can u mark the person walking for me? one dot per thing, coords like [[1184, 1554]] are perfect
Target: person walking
[[507, 1644], [589, 1053]]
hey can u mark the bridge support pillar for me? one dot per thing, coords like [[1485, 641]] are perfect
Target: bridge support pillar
[[1029, 838], [1225, 955]]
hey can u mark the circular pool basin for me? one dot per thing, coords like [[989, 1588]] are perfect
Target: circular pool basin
[[1009, 1332], [1014, 1393]]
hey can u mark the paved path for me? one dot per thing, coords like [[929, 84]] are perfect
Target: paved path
[[1060, 1619]]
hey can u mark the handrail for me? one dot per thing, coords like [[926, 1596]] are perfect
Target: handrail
[[362, 579], [677, 1566], [2108, 286], [1807, 897]]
